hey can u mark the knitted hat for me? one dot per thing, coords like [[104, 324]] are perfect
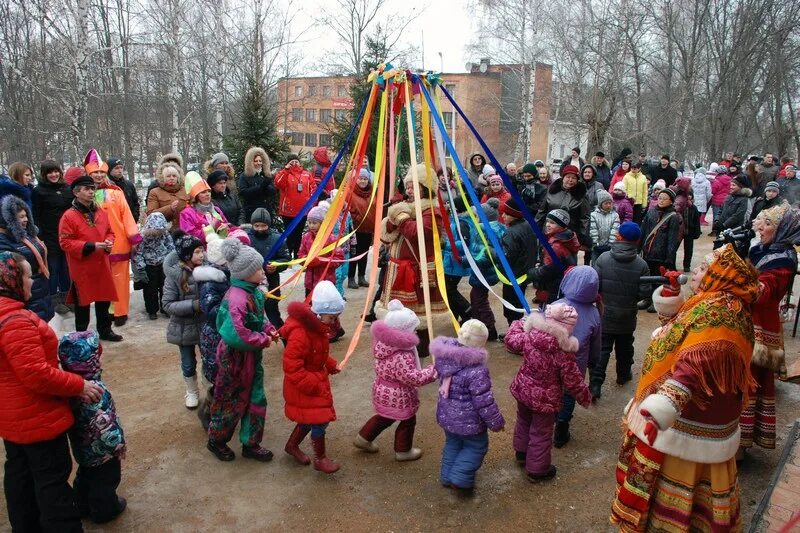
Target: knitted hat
[[494, 179], [660, 184], [473, 333], [93, 163], [559, 216], [317, 213], [240, 235], [577, 149], [488, 170], [185, 244], [713, 168], [563, 315], [619, 186], [570, 169], [538, 163], [194, 184], [217, 176], [668, 191], [83, 180], [214, 249], [630, 231], [603, 196], [529, 168], [261, 215], [489, 211], [79, 353], [511, 208], [600, 154], [400, 317], [365, 173], [292, 157], [326, 300], [772, 185], [219, 157], [242, 260], [113, 162]]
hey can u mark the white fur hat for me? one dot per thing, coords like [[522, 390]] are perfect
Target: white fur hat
[[473, 333], [326, 300], [400, 317]]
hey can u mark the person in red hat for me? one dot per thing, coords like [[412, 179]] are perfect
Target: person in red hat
[[569, 193]]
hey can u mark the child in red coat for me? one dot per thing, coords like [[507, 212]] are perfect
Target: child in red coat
[[496, 190], [306, 365]]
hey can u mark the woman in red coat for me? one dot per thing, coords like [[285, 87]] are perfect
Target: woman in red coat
[[306, 366], [776, 262], [85, 235], [35, 413], [403, 278], [295, 186]]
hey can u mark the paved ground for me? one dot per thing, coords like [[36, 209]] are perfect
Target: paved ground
[[173, 483]]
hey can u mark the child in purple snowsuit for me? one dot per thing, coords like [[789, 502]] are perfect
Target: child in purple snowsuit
[[548, 367], [466, 407]]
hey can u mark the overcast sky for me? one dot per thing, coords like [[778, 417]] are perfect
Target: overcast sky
[[445, 25]]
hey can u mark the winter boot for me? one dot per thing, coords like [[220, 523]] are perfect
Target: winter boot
[[192, 392], [595, 389], [204, 413], [362, 281], [59, 302], [321, 462], [292, 445], [257, 452], [520, 457], [561, 434], [550, 474], [110, 336], [352, 283], [221, 451], [411, 455], [644, 304], [363, 444], [122, 504]]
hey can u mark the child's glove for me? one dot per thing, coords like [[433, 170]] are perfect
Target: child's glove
[[334, 370]]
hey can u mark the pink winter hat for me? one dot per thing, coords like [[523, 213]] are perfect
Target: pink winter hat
[[563, 315], [317, 213]]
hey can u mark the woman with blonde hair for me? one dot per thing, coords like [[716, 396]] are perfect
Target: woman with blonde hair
[[169, 197], [257, 186], [18, 182]]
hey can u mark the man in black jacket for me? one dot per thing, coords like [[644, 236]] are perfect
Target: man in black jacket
[[116, 173], [664, 172]]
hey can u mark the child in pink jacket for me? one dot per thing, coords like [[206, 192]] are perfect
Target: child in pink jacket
[[397, 377], [548, 348]]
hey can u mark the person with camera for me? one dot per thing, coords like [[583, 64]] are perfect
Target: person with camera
[[295, 186]]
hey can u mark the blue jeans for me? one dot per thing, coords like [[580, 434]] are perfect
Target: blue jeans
[[59, 273], [317, 430], [188, 361], [462, 456]]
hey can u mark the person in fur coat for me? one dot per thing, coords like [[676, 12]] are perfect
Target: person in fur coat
[[168, 196], [548, 347], [257, 186], [397, 377], [466, 406]]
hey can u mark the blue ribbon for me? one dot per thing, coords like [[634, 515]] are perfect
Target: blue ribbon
[[476, 202], [321, 187], [510, 187]]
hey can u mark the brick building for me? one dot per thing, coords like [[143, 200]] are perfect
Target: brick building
[[489, 95]]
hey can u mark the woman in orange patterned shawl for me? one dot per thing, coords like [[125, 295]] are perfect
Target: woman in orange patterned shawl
[[677, 469]]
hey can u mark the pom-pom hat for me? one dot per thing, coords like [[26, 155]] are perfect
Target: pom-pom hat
[[243, 261], [400, 317]]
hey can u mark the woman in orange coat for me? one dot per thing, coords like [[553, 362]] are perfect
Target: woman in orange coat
[[35, 413]]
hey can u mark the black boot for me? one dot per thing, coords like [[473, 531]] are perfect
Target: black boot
[[596, 390], [221, 451], [352, 283], [109, 335], [362, 281], [561, 434]]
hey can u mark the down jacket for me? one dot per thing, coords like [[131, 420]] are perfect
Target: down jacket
[[306, 366], [185, 317], [734, 210], [619, 271], [295, 186], [548, 366], [397, 372], [575, 202], [466, 404], [701, 188], [603, 227], [720, 188], [35, 406]]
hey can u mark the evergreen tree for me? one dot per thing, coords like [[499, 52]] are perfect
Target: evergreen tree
[[257, 126]]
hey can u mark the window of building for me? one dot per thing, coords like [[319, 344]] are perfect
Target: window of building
[[451, 88], [297, 114], [324, 139], [326, 115], [448, 119], [311, 115], [341, 115], [327, 90], [297, 139], [312, 90], [311, 139], [298, 90], [341, 90]]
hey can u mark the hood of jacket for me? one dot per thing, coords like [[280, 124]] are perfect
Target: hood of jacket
[[578, 191], [568, 240], [451, 356], [744, 191], [208, 273], [553, 333], [10, 206], [160, 176], [303, 313], [594, 171], [391, 337], [580, 284], [479, 168], [321, 156], [700, 176], [250, 156], [624, 251]]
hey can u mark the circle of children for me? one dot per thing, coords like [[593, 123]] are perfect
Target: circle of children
[[628, 217]]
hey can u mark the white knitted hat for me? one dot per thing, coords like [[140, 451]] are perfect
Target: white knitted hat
[[326, 300], [473, 333], [214, 249], [400, 317]]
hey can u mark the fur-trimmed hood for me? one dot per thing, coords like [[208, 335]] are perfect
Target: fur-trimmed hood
[[451, 356], [744, 191], [10, 206], [208, 273], [537, 321], [172, 157], [302, 312], [392, 338], [160, 174], [250, 156]]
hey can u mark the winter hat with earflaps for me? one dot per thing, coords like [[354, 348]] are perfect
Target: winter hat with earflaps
[[326, 300], [473, 333], [243, 261], [400, 317], [185, 244]]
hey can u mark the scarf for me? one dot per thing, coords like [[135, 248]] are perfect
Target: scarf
[[11, 285], [255, 319], [780, 253], [719, 313]]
